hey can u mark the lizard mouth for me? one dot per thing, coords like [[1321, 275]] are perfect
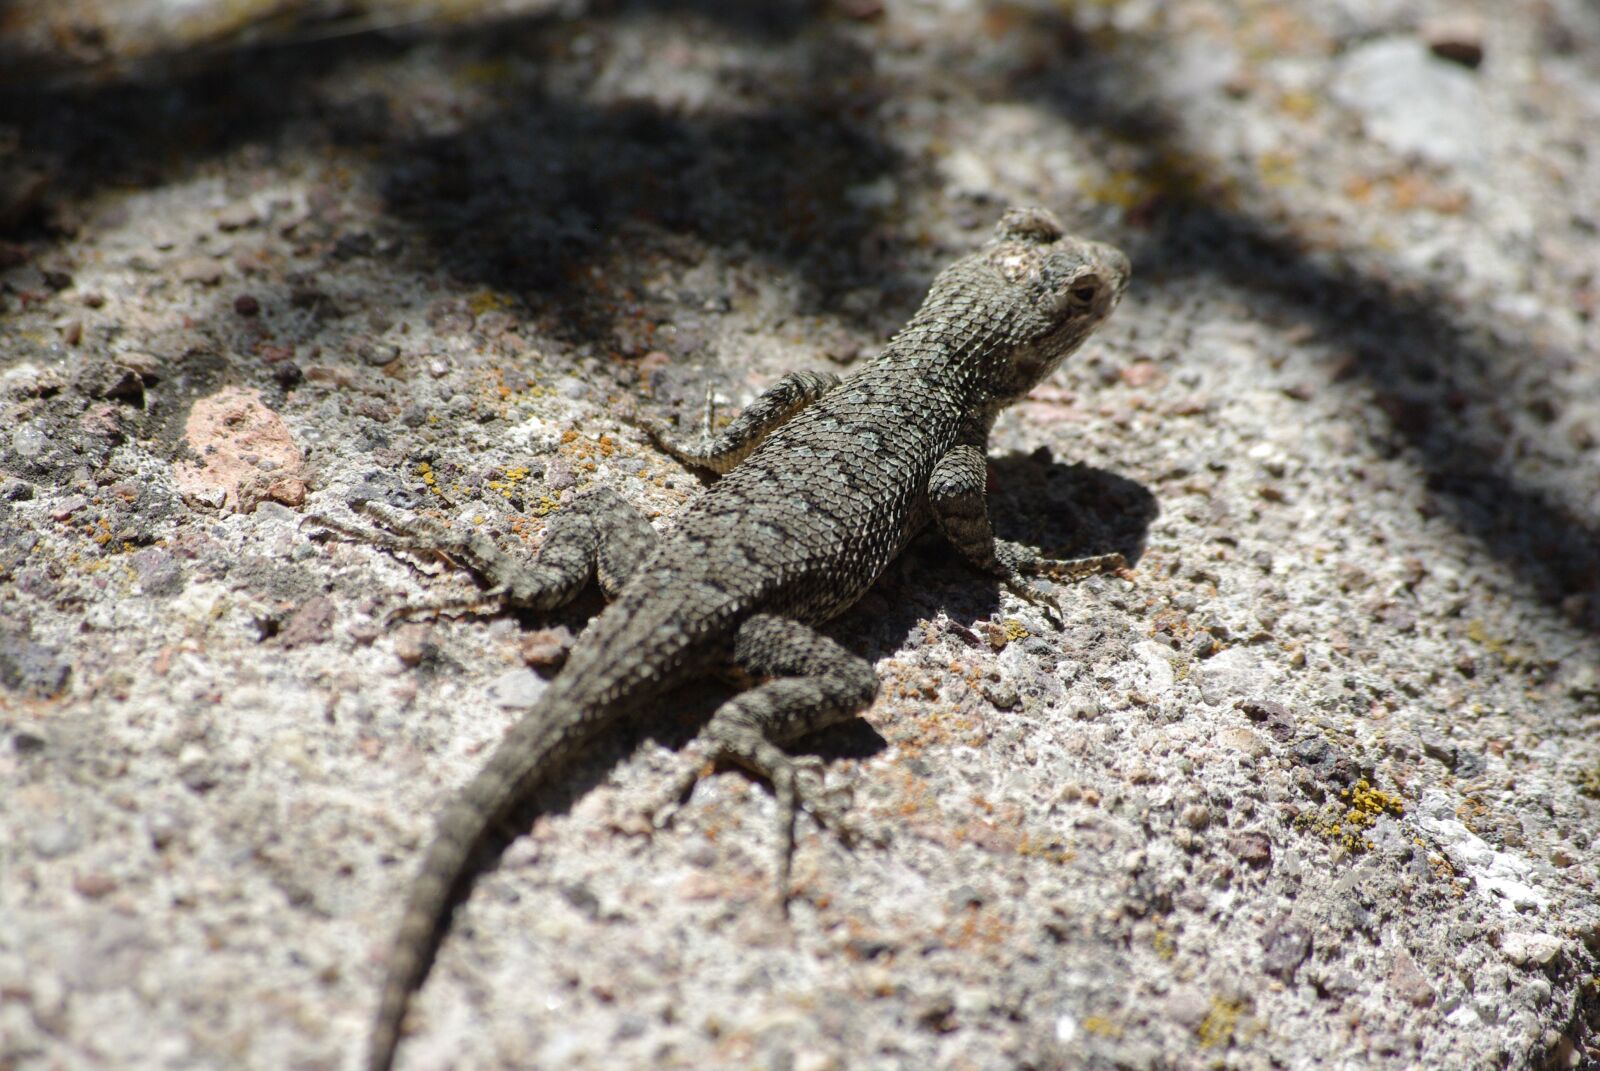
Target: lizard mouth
[[1114, 267]]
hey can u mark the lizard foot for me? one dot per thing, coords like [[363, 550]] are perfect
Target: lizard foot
[[798, 783], [425, 538], [1021, 562]]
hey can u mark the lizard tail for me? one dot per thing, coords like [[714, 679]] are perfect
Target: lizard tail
[[533, 745]]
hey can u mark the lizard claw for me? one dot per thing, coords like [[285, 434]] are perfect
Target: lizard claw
[[1025, 591], [1061, 571], [654, 428], [693, 766]]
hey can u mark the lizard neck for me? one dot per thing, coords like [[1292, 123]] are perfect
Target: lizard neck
[[935, 353]]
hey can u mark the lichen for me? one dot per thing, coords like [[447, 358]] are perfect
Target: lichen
[[1348, 826], [1217, 1029]]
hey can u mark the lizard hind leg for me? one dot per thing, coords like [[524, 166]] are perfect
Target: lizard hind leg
[[598, 535], [815, 683]]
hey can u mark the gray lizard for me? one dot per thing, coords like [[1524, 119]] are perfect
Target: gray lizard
[[825, 482]]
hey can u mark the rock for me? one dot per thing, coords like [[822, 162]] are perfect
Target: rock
[[1537, 949], [94, 884], [1244, 741], [546, 648], [158, 571], [1253, 849], [1437, 747], [237, 216], [1412, 101], [1455, 37], [558, 475], [1226, 676], [29, 441], [26, 743], [1284, 946], [1408, 982], [378, 354], [31, 668], [202, 271], [55, 837], [22, 190], [311, 623], [415, 643], [241, 449], [143, 365], [290, 490], [1188, 1007], [517, 689]]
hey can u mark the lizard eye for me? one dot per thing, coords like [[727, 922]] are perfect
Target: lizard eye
[[1085, 291]]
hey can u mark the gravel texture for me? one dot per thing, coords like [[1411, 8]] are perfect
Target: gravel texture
[[1319, 787]]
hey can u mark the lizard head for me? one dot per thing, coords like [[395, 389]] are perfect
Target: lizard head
[[1057, 290]]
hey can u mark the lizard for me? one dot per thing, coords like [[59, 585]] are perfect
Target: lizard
[[822, 482]]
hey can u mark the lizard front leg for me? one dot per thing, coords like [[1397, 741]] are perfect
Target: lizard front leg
[[956, 494], [776, 406], [816, 683]]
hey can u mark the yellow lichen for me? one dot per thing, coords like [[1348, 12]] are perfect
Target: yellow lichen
[[429, 480], [1363, 805], [1052, 850], [1278, 169], [1101, 1026], [1217, 1029], [488, 301]]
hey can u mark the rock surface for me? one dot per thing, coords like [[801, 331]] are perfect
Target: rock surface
[[1318, 787]]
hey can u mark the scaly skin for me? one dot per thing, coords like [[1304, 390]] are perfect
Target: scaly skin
[[826, 482]]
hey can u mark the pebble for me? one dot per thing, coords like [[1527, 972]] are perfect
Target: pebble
[[1538, 949], [1254, 849], [27, 743], [203, 271], [1455, 37], [159, 572], [1002, 694], [1243, 740], [54, 838], [290, 491], [94, 884], [558, 475], [247, 305], [546, 648], [237, 216], [164, 825], [311, 623], [144, 365], [29, 441], [517, 689], [1284, 946], [378, 354], [1412, 101], [1408, 981], [1188, 1007], [415, 643]]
